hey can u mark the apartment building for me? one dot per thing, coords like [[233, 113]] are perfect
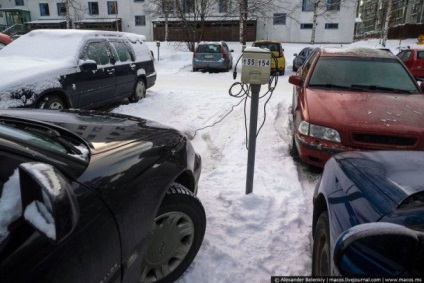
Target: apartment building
[[286, 21], [375, 13]]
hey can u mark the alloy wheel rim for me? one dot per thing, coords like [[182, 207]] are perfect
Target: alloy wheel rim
[[170, 242]]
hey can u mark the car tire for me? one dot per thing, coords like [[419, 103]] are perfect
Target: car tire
[[294, 69], [169, 254], [321, 257], [194, 69], [293, 149], [53, 102], [139, 91]]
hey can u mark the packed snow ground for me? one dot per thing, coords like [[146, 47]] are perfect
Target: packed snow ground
[[251, 237]]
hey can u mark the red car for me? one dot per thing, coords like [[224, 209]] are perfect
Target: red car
[[354, 99], [4, 40], [414, 60]]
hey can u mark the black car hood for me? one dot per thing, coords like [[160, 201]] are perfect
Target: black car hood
[[102, 131]]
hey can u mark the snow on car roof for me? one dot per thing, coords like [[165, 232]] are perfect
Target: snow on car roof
[[355, 52], [58, 45]]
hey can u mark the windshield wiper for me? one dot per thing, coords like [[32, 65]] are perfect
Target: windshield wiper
[[336, 86], [376, 87], [55, 135]]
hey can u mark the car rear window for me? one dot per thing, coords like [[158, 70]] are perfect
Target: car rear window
[[270, 46], [209, 48]]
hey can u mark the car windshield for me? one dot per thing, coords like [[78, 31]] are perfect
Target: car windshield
[[365, 74], [209, 48], [31, 138]]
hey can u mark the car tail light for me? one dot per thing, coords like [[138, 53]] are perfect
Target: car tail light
[[224, 56]]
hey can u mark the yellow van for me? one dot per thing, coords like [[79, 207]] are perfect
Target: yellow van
[[278, 51]]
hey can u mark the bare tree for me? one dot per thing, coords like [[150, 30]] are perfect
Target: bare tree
[[75, 5], [161, 9], [246, 9]]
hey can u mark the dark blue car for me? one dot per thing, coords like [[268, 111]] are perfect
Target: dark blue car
[[368, 215]]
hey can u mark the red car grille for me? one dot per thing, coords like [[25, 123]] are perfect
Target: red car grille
[[380, 140]]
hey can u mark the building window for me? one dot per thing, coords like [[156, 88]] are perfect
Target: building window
[[307, 5], [224, 6], [188, 6], [112, 7], [331, 26], [333, 5], [306, 26], [19, 2], [44, 9], [168, 7], [61, 9], [140, 20], [280, 19], [93, 8]]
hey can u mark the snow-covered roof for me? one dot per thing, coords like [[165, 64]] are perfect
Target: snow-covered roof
[[46, 22], [98, 20]]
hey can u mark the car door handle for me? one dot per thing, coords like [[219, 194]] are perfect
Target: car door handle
[[111, 71]]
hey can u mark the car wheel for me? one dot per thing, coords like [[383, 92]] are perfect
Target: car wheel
[[176, 236], [294, 69], [194, 69], [321, 260], [52, 102], [139, 91]]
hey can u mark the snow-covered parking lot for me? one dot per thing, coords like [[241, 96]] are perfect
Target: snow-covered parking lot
[[249, 238]]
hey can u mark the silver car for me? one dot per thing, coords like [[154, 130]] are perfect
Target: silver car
[[212, 56]]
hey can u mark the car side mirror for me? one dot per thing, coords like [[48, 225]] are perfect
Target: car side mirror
[[379, 249], [295, 80], [295, 54], [88, 65], [48, 202]]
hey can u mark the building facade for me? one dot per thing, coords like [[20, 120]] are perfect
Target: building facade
[[331, 21], [374, 15]]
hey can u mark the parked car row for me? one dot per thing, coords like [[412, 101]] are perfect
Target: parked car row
[[349, 105], [90, 196], [120, 205], [74, 69]]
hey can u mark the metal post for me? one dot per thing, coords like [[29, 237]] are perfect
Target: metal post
[[252, 137], [158, 45]]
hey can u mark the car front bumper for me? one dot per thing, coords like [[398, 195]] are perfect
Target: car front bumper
[[316, 151]]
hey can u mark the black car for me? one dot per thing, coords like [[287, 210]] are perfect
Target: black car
[[300, 58], [368, 217], [96, 197], [58, 69]]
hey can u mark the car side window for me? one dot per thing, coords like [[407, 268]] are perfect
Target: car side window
[[98, 52], [406, 55], [122, 50], [420, 55]]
